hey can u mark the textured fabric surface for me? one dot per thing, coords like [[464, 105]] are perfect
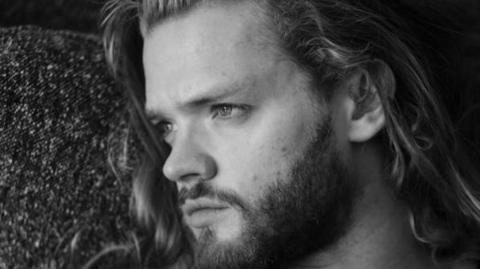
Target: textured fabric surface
[[59, 201]]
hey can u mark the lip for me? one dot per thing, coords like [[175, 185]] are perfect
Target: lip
[[201, 213], [194, 206]]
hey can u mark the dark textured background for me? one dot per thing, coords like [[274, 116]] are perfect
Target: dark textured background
[[59, 109], [77, 15], [59, 201]]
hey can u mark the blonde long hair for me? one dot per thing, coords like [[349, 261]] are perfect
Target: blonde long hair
[[328, 38]]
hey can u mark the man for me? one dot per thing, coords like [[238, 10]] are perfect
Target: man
[[289, 134]]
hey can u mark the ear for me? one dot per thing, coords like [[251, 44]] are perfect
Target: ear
[[366, 115]]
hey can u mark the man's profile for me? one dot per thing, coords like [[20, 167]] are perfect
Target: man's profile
[[289, 134]]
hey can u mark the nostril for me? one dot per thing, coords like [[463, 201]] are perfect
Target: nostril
[[191, 179]]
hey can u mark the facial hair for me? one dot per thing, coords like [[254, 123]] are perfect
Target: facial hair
[[307, 212]]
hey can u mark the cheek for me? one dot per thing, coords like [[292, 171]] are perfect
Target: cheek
[[263, 157], [251, 170]]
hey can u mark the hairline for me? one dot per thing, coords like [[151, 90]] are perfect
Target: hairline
[[268, 35]]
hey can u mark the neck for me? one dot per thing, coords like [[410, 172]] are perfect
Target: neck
[[379, 239], [380, 234]]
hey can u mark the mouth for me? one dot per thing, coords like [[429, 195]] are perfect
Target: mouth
[[202, 213]]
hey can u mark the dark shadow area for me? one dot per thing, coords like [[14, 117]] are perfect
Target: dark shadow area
[[74, 15]]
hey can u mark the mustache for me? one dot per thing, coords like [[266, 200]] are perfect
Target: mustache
[[203, 190]]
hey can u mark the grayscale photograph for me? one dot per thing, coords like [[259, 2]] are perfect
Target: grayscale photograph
[[239, 134]]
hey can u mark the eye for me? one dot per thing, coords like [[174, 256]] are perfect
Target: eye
[[229, 111], [164, 128]]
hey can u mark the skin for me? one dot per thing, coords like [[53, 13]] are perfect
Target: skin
[[237, 114], [226, 66]]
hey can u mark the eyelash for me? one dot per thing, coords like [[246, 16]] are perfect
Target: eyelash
[[230, 111], [161, 128]]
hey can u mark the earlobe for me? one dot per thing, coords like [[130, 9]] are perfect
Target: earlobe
[[366, 127]]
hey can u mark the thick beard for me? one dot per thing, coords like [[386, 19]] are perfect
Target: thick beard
[[308, 212]]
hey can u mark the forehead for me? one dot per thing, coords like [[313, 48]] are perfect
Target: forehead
[[211, 44], [211, 26], [205, 13]]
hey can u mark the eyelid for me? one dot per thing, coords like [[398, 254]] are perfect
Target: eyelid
[[160, 123], [237, 112], [244, 110], [154, 121]]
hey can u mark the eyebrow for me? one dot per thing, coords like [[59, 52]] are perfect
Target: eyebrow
[[201, 99]]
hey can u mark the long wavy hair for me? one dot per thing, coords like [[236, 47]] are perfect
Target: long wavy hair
[[427, 169]]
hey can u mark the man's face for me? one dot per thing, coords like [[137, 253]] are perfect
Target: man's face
[[253, 150]]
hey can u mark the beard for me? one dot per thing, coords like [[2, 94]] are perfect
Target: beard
[[307, 212]]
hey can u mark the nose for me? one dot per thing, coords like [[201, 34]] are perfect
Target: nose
[[189, 162]]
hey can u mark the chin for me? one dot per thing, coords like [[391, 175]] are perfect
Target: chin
[[220, 248], [227, 231]]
